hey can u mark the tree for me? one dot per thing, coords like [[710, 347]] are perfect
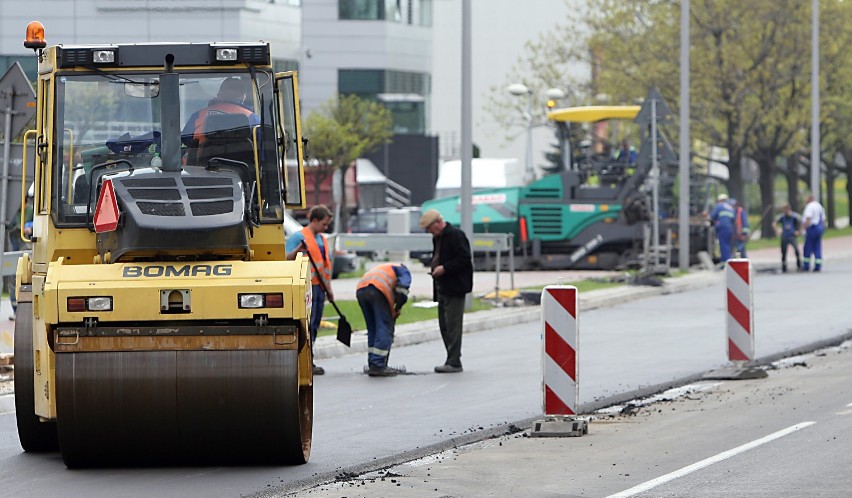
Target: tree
[[782, 91], [342, 130], [750, 79]]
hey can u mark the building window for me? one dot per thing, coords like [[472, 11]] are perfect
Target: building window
[[403, 93], [361, 9], [28, 63], [426, 13], [282, 65], [370, 10], [365, 83]]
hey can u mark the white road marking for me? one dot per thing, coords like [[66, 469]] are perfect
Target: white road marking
[[653, 483]]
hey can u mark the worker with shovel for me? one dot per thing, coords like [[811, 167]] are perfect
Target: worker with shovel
[[382, 292], [312, 240]]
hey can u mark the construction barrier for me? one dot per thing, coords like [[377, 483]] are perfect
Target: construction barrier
[[739, 303], [561, 334]]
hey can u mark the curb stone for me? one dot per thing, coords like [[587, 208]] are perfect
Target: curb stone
[[416, 333]]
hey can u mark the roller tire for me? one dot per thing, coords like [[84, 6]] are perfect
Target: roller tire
[[182, 411], [35, 436]]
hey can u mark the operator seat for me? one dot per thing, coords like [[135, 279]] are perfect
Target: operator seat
[[228, 136]]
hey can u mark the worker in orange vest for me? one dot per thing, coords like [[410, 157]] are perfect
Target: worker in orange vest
[[312, 240], [381, 293], [229, 100]]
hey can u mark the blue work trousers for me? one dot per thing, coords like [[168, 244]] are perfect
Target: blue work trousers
[[725, 236], [317, 307], [813, 246], [379, 319]]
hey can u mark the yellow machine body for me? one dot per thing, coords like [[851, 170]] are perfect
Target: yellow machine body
[[150, 343]]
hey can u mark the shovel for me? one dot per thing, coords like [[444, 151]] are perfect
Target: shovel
[[344, 330]]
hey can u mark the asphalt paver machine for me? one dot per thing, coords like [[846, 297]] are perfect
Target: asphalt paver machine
[[594, 213], [158, 321]]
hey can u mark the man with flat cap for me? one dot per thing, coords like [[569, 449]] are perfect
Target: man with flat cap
[[452, 279]]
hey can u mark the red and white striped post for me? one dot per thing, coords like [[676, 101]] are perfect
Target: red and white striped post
[[739, 303], [561, 334]]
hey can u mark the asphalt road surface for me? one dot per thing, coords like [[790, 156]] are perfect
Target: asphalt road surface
[[363, 423], [787, 435]]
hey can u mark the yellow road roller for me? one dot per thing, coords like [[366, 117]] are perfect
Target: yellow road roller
[[159, 321]]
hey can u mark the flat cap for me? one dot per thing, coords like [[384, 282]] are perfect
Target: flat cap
[[429, 217]]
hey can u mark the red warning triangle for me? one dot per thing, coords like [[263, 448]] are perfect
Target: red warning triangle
[[106, 213]]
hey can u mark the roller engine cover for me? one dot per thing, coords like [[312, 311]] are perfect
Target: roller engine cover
[[195, 212]]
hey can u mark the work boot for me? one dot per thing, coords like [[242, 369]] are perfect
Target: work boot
[[383, 372], [443, 369], [319, 370]]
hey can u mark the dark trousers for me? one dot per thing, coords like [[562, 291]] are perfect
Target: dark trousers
[[379, 320], [786, 241], [450, 320], [317, 307]]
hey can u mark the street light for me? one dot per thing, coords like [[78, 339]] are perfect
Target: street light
[[519, 90]]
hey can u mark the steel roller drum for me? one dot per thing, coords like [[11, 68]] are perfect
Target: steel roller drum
[[182, 407], [35, 436]]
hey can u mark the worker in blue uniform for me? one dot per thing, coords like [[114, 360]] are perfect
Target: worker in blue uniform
[[790, 224], [381, 294], [813, 222], [722, 217]]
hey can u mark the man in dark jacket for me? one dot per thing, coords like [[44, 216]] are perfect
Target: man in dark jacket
[[452, 278]]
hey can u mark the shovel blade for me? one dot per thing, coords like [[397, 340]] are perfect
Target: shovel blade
[[344, 331]]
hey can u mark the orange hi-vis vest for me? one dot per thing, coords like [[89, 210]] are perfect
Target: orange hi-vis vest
[[381, 277], [321, 260], [217, 108]]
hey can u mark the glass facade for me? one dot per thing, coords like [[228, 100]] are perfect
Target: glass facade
[[417, 12], [403, 93], [368, 83], [282, 65], [361, 9], [29, 63]]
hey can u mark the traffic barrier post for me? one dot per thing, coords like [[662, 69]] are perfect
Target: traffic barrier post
[[560, 364], [739, 306], [739, 323]]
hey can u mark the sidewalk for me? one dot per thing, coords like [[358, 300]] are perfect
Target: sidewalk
[[7, 327], [763, 260]]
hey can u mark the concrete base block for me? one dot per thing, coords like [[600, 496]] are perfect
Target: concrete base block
[[736, 373], [559, 427]]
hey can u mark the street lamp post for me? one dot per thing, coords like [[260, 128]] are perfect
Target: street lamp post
[[518, 90]]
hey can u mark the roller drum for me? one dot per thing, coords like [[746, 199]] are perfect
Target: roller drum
[[35, 435], [182, 407]]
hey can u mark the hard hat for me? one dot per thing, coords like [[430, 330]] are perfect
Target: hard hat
[[722, 197], [31, 191]]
